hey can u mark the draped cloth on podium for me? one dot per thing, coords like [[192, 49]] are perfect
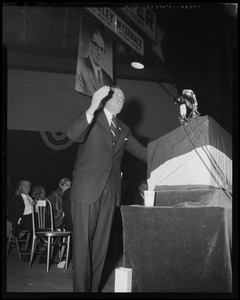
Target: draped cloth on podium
[[178, 250], [195, 155]]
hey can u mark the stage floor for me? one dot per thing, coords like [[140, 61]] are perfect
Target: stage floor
[[21, 279]]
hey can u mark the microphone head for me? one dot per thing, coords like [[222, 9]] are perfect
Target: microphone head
[[179, 100], [189, 95]]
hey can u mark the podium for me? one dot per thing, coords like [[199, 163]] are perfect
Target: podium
[[183, 244]]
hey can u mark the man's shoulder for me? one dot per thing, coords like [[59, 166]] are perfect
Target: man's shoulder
[[16, 197], [15, 202]]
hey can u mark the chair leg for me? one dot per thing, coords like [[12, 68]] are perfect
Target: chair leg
[[12, 239], [32, 251], [62, 249], [52, 250], [68, 246], [27, 241], [18, 249], [48, 252], [9, 242]]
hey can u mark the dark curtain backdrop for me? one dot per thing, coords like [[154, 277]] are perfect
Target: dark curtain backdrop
[[201, 50], [28, 157]]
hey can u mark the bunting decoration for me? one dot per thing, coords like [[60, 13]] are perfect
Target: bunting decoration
[[56, 140]]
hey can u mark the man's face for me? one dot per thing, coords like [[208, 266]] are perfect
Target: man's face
[[97, 49], [143, 187], [25, 187], [116, 102]]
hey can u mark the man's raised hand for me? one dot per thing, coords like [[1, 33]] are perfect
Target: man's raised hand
[[98, 96]]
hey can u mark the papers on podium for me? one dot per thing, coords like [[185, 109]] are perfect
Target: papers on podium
[[123, 280]]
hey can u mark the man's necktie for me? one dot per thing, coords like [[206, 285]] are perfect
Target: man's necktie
[[29, 200], [113, 129], [100, 83]]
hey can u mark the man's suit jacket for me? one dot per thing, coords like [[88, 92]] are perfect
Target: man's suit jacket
[[15, 211], [86, 81], [97, 156]]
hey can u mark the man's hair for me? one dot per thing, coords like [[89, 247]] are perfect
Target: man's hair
[[112, 87], [36, 191], [23, 180], [98, 32], [115, 87]]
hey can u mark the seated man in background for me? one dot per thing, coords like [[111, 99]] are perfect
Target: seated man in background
[[139, 198], [20, 209]]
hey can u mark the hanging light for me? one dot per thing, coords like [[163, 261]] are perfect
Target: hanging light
[[137, 65], [127, 55]]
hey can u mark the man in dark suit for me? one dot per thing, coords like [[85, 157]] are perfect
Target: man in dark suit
[[139, 197], [19, 210], [96, 184], [90, 74]]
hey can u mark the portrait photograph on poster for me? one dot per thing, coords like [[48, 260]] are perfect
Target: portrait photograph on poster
[[94, 60]]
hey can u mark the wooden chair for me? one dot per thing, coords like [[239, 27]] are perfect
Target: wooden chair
[[51, 236], [23, 239]]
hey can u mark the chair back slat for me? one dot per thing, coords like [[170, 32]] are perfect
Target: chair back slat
[[42, 207], [41, 210], [41, 203]]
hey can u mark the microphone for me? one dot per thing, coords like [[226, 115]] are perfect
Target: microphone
[[179, 100], [187, 99]]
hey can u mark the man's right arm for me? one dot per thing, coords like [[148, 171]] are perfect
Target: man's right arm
[[14, 212], [78, 131]]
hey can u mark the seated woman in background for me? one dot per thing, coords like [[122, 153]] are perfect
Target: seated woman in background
[[56, 200], [38, 192]]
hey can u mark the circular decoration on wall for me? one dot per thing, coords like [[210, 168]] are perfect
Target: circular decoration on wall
[[56, 140]]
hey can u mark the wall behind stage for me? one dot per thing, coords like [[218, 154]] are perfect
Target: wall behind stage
[[41, 101]]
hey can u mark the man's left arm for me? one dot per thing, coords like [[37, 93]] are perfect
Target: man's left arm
[[136, 148]]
